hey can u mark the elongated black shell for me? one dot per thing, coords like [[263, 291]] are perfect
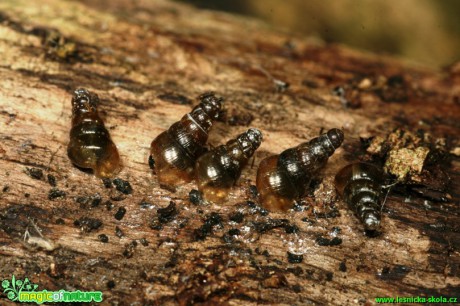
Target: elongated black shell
[[222, 166], [175, 150], [360, 185]]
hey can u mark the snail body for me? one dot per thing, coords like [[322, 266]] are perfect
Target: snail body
[[283, 178], [176, 150], [90, 143], [217, 170], [360, 185]]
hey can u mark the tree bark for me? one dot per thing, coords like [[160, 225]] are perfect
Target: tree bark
[[148, 61]]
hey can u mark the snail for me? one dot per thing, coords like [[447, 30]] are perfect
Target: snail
[[175, 151], [90, 144], [284, 178], [217, 170], [360, 185]]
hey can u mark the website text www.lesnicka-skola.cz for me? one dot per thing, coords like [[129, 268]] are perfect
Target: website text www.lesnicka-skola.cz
[[417, 299]]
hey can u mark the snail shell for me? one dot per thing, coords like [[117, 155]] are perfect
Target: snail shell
[[217, 170], [283, 178], [90, 144], [176, 150], [360, 185]]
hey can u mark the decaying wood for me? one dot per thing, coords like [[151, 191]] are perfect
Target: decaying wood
[[148, 61]]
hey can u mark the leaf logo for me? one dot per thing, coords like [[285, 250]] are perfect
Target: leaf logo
[[13, 288]]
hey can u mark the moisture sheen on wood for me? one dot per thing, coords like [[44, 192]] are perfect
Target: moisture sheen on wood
[[148, 61]]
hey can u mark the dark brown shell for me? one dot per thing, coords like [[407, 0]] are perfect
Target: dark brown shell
[[217, 170], [360, 185], [176, 150], [283, 178], [90, 143]]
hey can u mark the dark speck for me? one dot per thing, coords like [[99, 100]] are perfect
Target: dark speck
[[343, 267], [291, 229], [129, 249], [212, 220], [297, 288], [120, 213], [56, 193], [93, 200], [372, 234], [35, 173], [195, 197], [328, 242], [123, 186], [299, 206], [96, 200], [151, 162], [168, 213], [144, 242], [156, 225], [339, 91], [328, 215], [118, 232], [60, 221], [398, 272], [336, 230], [234, 232], [103, 238], [51, 180], [254, 208], [253, 191], [27, 195], [265, 226], [109, 205], [110, 284], [329, 276], [6, 188], [237, 217], [107, 183], [293, 258], [229, 236], [88, 224]]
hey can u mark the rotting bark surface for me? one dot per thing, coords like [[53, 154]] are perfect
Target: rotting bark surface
[[148, 62]]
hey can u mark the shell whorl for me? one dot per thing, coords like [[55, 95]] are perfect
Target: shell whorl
[[84, 102], [222, 166], [360, 184], [307, 158], [250, 141], [191, 132], [207, 111], [336, 137]]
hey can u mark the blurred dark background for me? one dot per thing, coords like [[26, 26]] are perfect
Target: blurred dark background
[[425, 31]]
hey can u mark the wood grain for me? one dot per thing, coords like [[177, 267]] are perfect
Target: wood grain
[[148, 61]]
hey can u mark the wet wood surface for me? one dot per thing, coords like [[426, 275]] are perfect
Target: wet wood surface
[[148, 62]]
